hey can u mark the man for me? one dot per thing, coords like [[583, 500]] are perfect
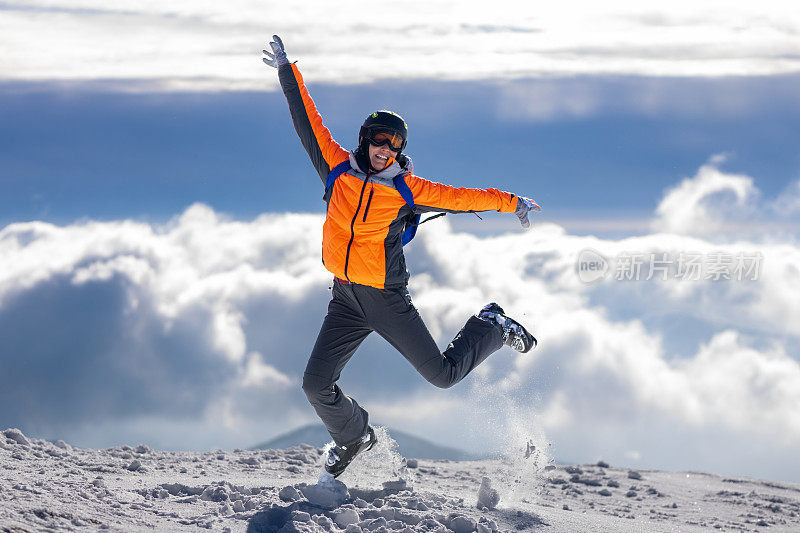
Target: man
[[373, 205]]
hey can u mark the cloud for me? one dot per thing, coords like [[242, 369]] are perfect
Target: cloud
[[587, 96], [610, 380], [702, 203], [195, 333], [180, 45], [123, 319], [714, 203]]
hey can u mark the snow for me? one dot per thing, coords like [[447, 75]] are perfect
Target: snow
[[46, 486], [17, 436], [487, 496], [327, 493]]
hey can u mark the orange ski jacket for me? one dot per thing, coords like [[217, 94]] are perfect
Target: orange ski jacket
[[366, 214]]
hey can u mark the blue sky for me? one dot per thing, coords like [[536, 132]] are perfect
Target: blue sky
[[160, 224]]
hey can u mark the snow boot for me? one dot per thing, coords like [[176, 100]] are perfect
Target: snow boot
[[514, 334], [341, 456]]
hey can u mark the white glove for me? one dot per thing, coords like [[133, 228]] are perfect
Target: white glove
[[525, 206], [278, 55]]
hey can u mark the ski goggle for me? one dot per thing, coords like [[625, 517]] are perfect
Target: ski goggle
[[380, 136]]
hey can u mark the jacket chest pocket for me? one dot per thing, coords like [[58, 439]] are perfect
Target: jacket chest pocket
[[369, 201]]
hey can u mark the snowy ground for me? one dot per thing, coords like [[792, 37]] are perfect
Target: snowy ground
[[46, 486]]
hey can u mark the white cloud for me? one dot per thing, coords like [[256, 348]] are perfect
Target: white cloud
[[701, 204], [724, 368], [584, 96], [256, 373], [153, 316], [182, 45], [208, 322]]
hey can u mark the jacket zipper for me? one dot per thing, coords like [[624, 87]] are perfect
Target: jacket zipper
[[369, 201], [352, 227]]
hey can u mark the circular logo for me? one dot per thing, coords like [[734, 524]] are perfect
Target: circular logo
[[591, 266]]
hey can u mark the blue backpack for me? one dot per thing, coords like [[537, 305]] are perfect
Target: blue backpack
[[399, 184]]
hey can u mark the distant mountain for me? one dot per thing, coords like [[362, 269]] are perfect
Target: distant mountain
[[408, 445]]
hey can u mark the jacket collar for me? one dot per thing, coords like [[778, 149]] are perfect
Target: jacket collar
[[392, 170]]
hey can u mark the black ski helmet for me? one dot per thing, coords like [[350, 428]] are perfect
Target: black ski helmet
[[384, 119]]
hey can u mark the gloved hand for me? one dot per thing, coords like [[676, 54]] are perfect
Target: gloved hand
[[525, 206], [405, 162], [278, 55]]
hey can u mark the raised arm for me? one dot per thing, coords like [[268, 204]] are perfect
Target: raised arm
[[325, 153]]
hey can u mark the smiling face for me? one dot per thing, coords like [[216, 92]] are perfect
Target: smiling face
[[379, 156]]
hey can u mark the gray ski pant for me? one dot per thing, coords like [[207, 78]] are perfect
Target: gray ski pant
[[353, 313]]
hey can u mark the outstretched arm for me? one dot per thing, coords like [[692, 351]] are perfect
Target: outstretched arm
[[325, 153], [433, 196]]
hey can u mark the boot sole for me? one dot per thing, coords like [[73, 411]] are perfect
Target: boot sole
[[531, 340]]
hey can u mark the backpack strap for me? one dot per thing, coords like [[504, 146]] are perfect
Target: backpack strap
[[335, 172], [402, 188], [411, 226]]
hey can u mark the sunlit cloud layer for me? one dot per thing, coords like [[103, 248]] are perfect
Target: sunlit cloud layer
[[196, 333], [204, 45]]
